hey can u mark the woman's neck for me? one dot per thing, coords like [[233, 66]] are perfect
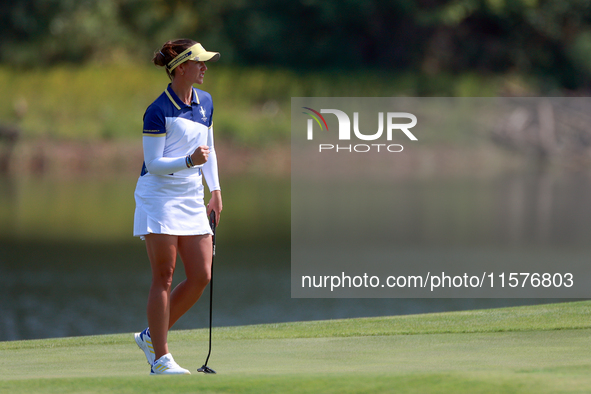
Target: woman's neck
[[183, 90]]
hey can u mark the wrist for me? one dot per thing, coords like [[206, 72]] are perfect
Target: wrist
[[189, 162]]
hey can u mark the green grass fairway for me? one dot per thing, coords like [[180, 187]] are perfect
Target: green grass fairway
[[532, 349]]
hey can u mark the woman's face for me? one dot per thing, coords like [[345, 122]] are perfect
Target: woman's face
[[195, 71]]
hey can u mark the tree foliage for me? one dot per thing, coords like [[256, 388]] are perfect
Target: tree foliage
[[550, 39]]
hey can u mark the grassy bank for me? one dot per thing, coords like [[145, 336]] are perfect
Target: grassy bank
[[252, 105], [76, 120], [533, 349]]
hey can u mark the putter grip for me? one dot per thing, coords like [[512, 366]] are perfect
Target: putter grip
[[212, 220], [212, 225]]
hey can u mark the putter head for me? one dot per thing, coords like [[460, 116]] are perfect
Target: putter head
[[206, 369]]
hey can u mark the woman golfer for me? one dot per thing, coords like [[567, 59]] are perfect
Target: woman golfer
[[170, 214]]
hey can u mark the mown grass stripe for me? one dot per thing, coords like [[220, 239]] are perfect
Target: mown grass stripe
[[559, 316]]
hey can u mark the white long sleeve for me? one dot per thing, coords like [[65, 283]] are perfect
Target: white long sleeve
[[210, 168], [154, 158]]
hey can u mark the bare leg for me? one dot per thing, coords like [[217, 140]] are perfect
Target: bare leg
[[162, 252], [196, 254]]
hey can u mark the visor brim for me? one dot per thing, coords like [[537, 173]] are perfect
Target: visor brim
[[207, 57]]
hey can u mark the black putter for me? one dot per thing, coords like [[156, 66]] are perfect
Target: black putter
[[212, 224]]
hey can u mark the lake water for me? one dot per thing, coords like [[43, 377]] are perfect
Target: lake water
[[69, 265]]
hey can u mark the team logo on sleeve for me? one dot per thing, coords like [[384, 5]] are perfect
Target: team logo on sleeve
[[202, 112]]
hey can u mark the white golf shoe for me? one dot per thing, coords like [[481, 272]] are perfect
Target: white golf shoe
[[144, 341], [166, 365]]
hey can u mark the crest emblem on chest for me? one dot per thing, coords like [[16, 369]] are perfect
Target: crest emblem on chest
[[202, 112]]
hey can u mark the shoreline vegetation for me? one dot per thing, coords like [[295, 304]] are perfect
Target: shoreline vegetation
[[71, 159]]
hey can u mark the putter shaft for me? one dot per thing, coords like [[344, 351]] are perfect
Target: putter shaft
[[212, 224]]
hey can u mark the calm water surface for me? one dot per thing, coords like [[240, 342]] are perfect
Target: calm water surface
[[70, 266]]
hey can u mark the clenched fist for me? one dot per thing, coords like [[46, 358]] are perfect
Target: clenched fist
[[200, 155]]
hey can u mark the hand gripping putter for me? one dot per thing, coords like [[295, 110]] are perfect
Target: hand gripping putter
[[212, 224]]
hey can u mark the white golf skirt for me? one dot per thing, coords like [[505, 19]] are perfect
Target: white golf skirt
[[170, 205]]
